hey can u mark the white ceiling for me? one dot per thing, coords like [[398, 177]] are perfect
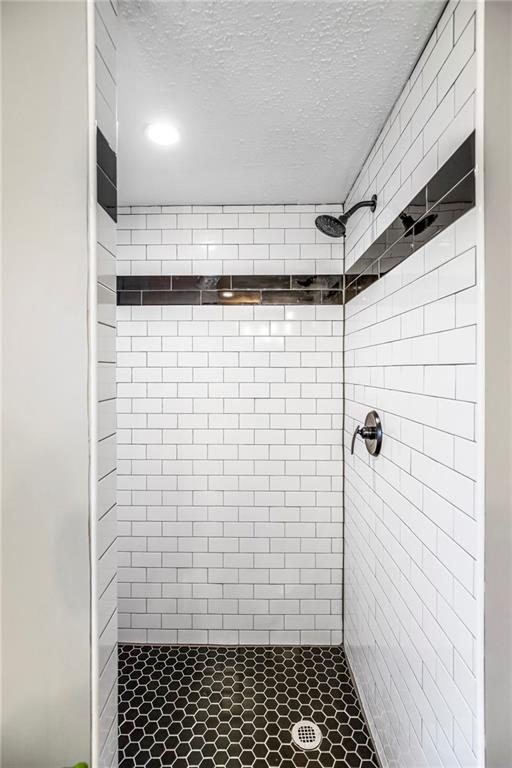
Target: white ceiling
[[277, 101]]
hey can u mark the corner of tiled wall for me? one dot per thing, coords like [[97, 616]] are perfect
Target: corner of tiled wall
[[433, 115], [412, 531]]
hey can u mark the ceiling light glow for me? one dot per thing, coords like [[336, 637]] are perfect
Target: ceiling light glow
[[163, 134]]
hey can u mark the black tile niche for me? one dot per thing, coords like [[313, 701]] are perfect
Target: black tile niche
[[229, 289], [444, 199]]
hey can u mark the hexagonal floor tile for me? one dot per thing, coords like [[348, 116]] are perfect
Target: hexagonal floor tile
[[215, 707]]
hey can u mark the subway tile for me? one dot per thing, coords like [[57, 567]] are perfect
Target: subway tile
[[269, 236], [440, 53], [264, 282], [106, 193], [144, 283], [223, 221], [161, 221], [253, 220], [457, 59], [131, 252], [105, 155], [207, 236], [192, 221], [177, 236]]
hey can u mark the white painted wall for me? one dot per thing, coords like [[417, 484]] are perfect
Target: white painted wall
[[59, 639], [497, 157], [414, 597], [46, 697]]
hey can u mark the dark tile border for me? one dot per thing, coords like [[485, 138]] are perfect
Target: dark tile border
[[229, 289], [443, 200], [106, 176], [144, 283], [106, 157]]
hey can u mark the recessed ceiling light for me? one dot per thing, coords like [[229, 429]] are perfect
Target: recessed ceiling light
[[227, 294], [163, 134]]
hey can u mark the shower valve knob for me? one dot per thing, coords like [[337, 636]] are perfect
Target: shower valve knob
[[371, 433]]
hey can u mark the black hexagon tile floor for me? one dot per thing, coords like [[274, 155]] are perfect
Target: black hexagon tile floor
[[231, 707]]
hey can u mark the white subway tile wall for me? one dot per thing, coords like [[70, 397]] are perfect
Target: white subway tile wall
[[413, 596], [226, 240], [106, 33], [229, 474], [433, 115], [106, 531]]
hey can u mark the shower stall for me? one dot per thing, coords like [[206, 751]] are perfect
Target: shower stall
[[261, 562], [298, 443], [270, 469]]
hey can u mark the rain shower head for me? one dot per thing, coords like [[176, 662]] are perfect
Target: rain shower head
[[412, 227], [336, 226], [330, 225]]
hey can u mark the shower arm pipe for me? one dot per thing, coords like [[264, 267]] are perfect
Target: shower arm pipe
[[363, 204]]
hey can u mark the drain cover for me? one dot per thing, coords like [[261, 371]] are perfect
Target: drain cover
[[306, 735]]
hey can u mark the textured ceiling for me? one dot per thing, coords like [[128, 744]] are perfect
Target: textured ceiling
[[277, 101]]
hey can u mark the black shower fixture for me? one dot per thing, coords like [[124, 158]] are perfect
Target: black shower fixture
[[412, 227], [336, 226]]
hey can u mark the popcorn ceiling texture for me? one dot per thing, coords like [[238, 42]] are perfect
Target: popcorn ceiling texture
[[277, 101]]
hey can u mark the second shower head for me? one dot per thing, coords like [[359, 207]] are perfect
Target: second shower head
[[336, 226]]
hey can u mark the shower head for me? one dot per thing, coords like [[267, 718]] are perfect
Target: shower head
[[336, 226], [330, 225], [412, 227]]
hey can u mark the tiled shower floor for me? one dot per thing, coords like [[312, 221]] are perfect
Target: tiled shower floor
[[228, 707]]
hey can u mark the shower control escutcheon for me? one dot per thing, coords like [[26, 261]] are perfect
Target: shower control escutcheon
[[371, 433]]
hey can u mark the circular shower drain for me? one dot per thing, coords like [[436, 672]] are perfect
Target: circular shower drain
[[306, 735]]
